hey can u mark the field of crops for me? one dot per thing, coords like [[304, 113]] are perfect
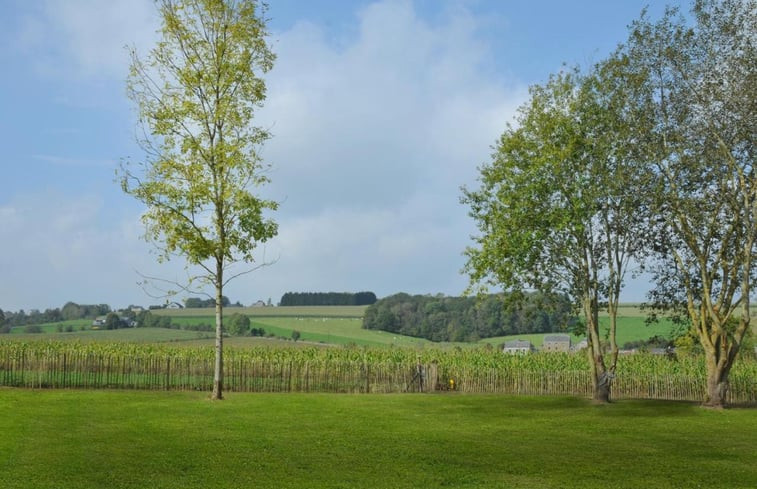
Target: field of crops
[[353, 370]]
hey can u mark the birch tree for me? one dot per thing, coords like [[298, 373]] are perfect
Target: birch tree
[[196, 93]]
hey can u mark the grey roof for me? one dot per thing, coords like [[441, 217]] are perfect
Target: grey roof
[[518, 344], [557, 338]]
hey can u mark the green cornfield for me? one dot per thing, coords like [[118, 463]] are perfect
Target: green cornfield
[[41, 364]]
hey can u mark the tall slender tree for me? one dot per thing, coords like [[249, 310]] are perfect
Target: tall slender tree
[[196, 93]]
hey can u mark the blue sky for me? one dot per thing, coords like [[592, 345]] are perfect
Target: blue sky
[[380, 111]]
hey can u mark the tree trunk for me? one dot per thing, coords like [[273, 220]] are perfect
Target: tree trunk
[[601, 385], [218, 369], [601, 379], [717, 383]]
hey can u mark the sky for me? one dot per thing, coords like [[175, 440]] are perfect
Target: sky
[[380, 111]]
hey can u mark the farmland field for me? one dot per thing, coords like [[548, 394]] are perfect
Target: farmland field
[[285, 311], [126, 439], [338, 325]]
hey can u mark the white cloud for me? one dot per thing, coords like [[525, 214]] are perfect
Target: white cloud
[[372, 139], [57, 248], [86, 39]]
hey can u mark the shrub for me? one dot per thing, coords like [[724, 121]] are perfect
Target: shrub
[[239, 324], [32, 329]]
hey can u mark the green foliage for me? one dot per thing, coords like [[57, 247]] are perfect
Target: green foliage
[[468, 318], [239, 324], [32, 329], [196, 302], [146, 319], [196, 93], [296, 335], [693, 85], [327, 299]]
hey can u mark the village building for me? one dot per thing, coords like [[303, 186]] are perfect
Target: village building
[[556, 343], [518, 347]]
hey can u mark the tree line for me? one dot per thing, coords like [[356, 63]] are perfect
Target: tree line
[[327, 299], [69, 311], [440, 318]]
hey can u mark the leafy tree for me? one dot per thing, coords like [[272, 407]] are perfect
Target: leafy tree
[[113, 321], [296, 335], [70, 311], [2, 317], [697, 86], [239, 324], [196, 302], [556, 206], [196, 94]]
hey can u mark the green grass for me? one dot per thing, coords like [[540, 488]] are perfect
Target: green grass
[[285, 311], [71, 439], [630, 328], [76, 324], [331, 330]]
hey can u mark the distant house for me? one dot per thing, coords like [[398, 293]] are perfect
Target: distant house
[[174, 305], [99, 321], [580, 345], [258, 304], [556, 343], [518, 347]]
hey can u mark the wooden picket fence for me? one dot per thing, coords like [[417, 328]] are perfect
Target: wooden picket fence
[[165, 372]]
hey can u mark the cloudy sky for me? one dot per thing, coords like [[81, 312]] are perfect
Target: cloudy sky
[[380, 111]]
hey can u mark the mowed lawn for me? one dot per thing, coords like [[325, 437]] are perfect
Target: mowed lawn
[[127, 439]]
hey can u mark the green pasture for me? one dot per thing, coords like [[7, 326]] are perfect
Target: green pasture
[[630, 328], [280, 311], [126, 439], [76, 324]]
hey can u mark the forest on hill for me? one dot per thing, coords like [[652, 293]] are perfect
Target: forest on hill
[[442, 318]]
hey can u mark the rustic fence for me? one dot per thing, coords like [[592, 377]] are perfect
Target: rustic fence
[[35, 369]]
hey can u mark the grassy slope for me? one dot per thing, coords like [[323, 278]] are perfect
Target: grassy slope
[[630, 328], [286, 311], [124, 439]]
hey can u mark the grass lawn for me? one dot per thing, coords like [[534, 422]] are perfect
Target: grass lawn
[[126, 439]]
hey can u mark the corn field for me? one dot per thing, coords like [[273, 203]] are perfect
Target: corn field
[[354, 370]]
